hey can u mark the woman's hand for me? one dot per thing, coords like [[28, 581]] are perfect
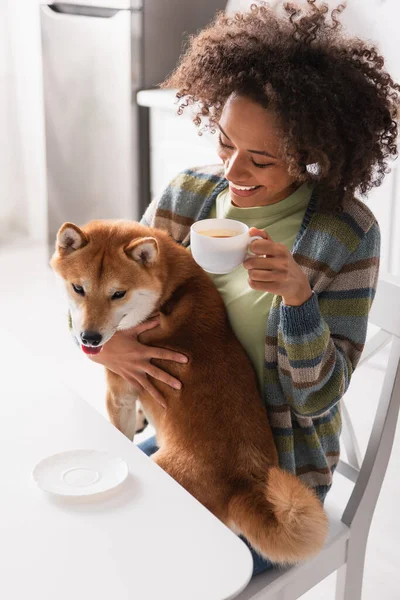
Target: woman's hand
[[275, 270], [126, 356]]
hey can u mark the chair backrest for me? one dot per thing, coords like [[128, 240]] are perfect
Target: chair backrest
[[385, 313]]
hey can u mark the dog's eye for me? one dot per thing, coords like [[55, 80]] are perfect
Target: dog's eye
[[118, 295], [78, 289]]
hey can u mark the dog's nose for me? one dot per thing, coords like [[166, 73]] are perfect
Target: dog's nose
[[91, 338]]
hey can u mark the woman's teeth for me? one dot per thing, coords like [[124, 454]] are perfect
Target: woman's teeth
[[243, 187], [244, 190]]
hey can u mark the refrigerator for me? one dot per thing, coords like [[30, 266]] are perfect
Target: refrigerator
[[96, 56]]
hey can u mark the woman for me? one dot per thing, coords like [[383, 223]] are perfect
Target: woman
[[305, 119]]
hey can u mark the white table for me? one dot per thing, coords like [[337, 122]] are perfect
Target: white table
[[148, 539]]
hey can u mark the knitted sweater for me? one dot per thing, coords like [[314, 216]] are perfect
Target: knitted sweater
[[311, 350]]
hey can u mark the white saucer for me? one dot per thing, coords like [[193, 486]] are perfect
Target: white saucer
[[80, 472]]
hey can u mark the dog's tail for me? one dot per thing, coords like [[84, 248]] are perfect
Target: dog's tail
[[282, 519]]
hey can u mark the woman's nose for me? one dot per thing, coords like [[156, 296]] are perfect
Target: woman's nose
[[234, 169]]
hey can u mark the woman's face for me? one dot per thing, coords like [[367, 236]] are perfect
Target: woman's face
[[249, 148]]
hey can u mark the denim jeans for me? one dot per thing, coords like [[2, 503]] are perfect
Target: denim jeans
[[260, 564]]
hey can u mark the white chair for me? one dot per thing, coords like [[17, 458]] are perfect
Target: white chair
[[345, 548]]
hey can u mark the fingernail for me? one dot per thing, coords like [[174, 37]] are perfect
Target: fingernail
[[184, 359], [177, 386]]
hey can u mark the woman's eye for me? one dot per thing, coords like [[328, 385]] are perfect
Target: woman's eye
[[118, 295], [78, 289], [262, 166], [259, 165], [221, 143]]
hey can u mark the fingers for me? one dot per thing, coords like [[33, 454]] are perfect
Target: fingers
[[164, 354], [261, 263], [142, 327], [262, 275], [265, 247], [262, 286], [152, 390], [161, 375], [140, 382], [260, 232]]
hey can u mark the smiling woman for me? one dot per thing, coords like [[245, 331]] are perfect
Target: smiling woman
[[306, 119]]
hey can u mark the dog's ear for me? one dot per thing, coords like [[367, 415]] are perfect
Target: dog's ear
[[70, 238], [144, 250]]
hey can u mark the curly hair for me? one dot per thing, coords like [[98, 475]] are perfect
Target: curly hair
[[336, 104]]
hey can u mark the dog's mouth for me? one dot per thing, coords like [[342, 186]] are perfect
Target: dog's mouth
[[91, 349]]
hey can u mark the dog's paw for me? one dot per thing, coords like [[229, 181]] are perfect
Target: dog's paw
[[141, 421]]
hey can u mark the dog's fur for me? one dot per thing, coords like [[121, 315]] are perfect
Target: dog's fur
[[214, 436]]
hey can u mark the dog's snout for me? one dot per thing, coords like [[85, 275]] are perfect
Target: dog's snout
[[91, 338]]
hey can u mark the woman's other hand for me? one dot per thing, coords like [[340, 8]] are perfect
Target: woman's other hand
[[126, 356], [274, 270]]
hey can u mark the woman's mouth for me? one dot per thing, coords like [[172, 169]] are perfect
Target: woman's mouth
[[243, 190]]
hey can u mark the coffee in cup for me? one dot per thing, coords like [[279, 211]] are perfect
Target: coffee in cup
[[220, 245], [218, 233]]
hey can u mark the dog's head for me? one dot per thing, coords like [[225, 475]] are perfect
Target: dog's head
[[113, 276]]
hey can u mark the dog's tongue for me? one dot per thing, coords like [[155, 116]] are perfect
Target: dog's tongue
[[88, 350]]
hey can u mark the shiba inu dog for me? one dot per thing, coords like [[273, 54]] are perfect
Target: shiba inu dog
[[214, 436]]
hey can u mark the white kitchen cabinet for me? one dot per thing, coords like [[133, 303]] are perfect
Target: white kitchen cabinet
[[175, 143]]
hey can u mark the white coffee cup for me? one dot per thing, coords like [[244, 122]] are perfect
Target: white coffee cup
[[220, 255]]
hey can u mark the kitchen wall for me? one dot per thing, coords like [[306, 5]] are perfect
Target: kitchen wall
[[11, 174], [22, 155], [378, 20]]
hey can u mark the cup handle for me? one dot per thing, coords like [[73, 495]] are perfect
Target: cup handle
[[252, 238]]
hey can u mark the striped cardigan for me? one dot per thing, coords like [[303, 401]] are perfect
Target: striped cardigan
[[311, 350]]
